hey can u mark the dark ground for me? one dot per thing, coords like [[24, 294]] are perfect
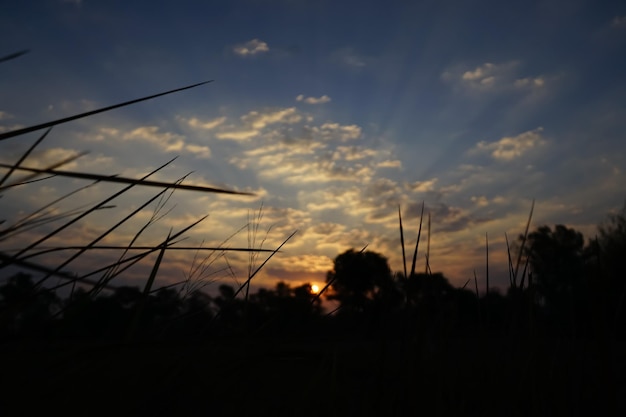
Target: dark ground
[[470, 376]]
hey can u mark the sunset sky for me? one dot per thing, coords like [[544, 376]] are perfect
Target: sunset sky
[[333, 113]]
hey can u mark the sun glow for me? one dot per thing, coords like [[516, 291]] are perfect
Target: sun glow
[[315, 288]]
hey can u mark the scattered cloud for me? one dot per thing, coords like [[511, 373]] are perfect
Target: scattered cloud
[[259, 120], [389, 164], [509, 148], [237, 134], [205, 125], [169, 142], [530, 82], [480, 201], [199, 151], [353, 153], [344, 132], [422, 186], [493, 77], [313, 100], [5, 116], [252, 47], [254, 122]]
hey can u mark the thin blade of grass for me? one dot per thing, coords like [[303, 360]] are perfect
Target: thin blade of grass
[[40, 268], [274, 252], [427, 268], [508, 251], [14, 55], [49, 169], [23, 157], [146, 292], [402, 242], [486, 263], [417, 242], [521, 249], [39, 221], [13, 133], [124, 180], [120, 247]]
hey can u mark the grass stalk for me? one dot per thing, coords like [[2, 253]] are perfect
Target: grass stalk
[[417, 242], [18, 132], [146, 292], [23, 157], [125, 180], [402, 242], [521, 249]]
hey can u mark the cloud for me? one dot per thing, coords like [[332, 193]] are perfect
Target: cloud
[[169, 142], [509, 148], [423, 186], [345, 132], [259, 120], [208, 125], [253, 47], [480, 201], [312, 100], [237, 134], [389, 164], [353, 153], [199, 151], [5, 116], [493, 77], [255, 121], [536, 82]]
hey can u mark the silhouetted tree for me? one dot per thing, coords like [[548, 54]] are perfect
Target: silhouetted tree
[[360, 279], [608, 266], [559, 273], [23, 308]]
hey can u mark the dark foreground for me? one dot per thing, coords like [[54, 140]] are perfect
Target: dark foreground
[[469, 376]]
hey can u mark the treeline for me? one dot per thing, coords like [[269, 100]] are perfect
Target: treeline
[[564, 287]]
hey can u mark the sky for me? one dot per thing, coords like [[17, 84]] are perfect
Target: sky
[[333, 113]]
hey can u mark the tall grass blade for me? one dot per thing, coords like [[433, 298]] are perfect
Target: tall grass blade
[[521, 249], [23, 157], [124, 180], [402, 242], [427, 268], [36, 174], [14, 55], [146, 291], [256, 271], [417, 242], [486, 264], [508, 251], [13, 133], [40, 268]]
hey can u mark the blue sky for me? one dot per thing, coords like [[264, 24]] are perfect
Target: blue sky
[[333, 113]]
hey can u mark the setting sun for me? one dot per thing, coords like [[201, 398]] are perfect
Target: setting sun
[[315, 288]]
